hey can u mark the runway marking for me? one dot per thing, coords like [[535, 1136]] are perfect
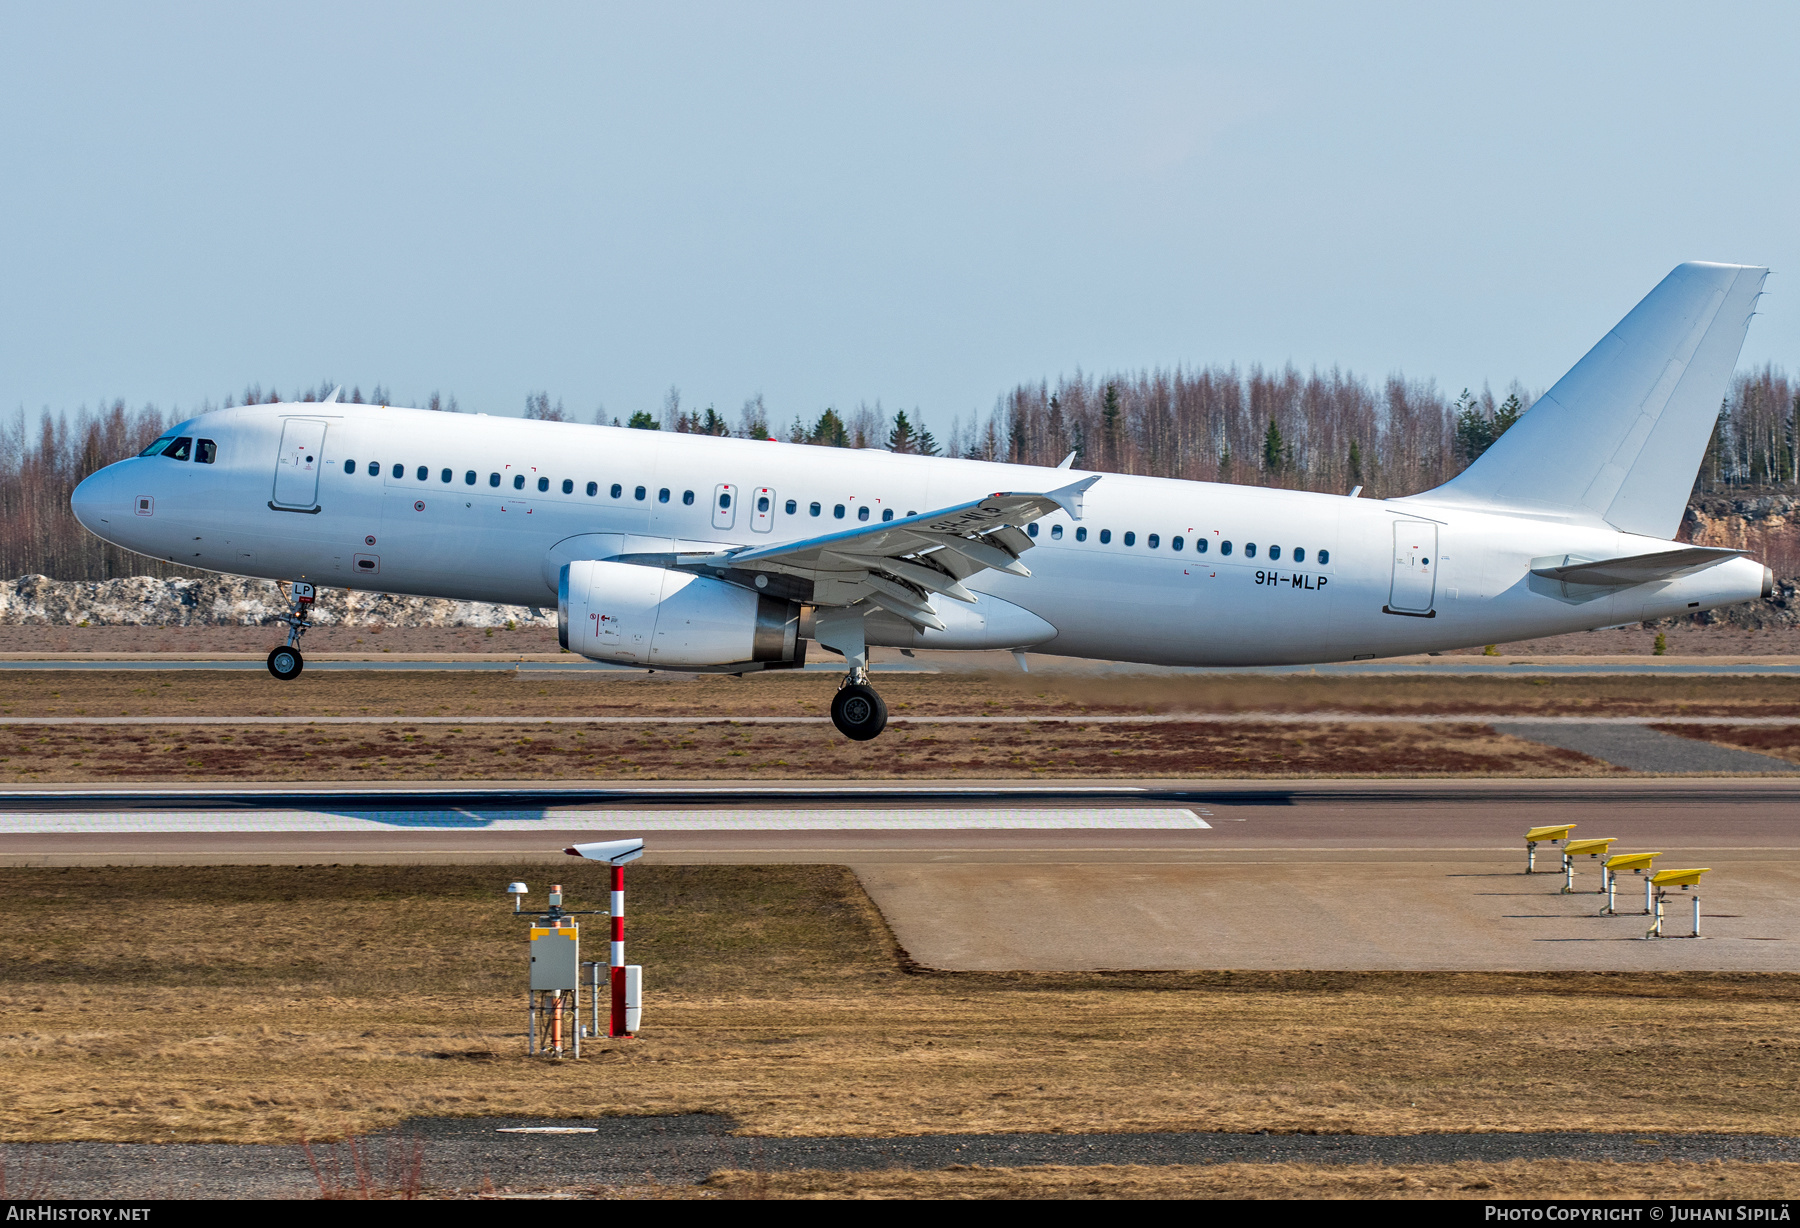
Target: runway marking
[[1154, 718], [285, 821]]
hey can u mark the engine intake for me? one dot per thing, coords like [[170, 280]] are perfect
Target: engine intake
[[655, 616]]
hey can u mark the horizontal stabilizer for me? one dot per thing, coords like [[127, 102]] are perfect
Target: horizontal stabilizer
[[1639, 568]]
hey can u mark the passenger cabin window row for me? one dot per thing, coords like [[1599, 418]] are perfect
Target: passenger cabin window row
[[1178, 544]]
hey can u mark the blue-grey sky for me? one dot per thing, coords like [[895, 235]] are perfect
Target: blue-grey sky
[[835, 203]]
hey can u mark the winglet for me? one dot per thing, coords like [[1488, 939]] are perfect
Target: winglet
[[332, 399], [1067, 461], [1069, 497]]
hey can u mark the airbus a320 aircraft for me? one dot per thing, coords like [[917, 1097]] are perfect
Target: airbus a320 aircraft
[[689, 552]]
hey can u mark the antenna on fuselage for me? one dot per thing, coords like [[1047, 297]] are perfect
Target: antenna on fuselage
[[332, 399]]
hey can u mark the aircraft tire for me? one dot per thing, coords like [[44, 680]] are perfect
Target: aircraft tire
[[858, 712], [286, 663]]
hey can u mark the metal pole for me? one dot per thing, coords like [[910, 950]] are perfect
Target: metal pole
[[1612, 885], [618, 951], [1656, 923], [1696, 916], [1647, 891], [531, 1023], [1531, 856], [1568, 874]]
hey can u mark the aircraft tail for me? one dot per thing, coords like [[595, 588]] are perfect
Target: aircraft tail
[[1621, 436]]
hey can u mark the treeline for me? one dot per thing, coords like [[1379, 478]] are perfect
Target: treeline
[[1318, 431]]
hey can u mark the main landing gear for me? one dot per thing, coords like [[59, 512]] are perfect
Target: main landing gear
[[286, 662], [857, 710]]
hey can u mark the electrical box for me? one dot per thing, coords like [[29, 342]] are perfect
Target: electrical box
[[555, 957]]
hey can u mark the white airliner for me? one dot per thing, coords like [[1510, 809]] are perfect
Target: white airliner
[[688, 552]]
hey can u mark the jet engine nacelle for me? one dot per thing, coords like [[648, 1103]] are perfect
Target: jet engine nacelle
[[666, 619]]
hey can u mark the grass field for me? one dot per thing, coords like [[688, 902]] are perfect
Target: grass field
[[693, 734], [267, 1004]]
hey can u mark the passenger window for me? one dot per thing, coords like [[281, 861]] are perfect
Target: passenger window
[[1131, 539], [762, 503], [569, 486], [1105, 536], [1249, 550], [813, 509], [887, 513], [424, 474], [792, 507], [444, 476], [662, 496], [349, 467], [1299, 554], [1224, 547], [399, 471], [1175, 543], [206, 451], [1032, 528], [374, 469], [469, 478], [837, 512], [593, 488], [518, 481], [617, 490], [910, 512], [543, 484], [1274, 554], [638, 493], [862, 513], [1081, 534], [1153, 541], [1324, 557], [493, 479], [687, 498], [182, 448], [1055, 532]]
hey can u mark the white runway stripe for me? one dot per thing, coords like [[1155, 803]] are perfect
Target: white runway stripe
[[129, 822]]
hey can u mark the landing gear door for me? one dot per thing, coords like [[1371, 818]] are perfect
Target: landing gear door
[[1415, 567], [298, 464], [724, 505], [762, 509]]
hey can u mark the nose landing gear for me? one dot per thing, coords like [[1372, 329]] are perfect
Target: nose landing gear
[[286, 662], [857, 710]]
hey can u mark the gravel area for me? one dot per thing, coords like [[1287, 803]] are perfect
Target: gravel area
[[466, 1153], [1644, 750]]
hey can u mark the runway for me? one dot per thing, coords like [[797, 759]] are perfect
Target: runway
[[1357, 875]]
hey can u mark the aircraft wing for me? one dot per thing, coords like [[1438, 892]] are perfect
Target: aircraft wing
[[1639, 568], [900, 565]]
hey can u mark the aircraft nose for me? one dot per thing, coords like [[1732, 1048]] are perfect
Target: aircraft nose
[[93, 500]]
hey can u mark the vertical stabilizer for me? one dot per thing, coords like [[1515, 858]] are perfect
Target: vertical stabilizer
[[1620, 437]]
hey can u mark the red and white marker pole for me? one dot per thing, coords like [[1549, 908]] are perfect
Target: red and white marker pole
[[618, 852], [617, 908]]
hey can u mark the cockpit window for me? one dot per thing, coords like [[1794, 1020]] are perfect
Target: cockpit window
[[181, 449], [161, 443], [206, 452]]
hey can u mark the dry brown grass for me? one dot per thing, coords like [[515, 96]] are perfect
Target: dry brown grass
[[720, 750], [1535, 1179], [1783, 743], [267, 1004], [481, 693]]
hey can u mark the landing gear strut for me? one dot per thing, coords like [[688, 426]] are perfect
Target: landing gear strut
[[286, 662], [857, 710]]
